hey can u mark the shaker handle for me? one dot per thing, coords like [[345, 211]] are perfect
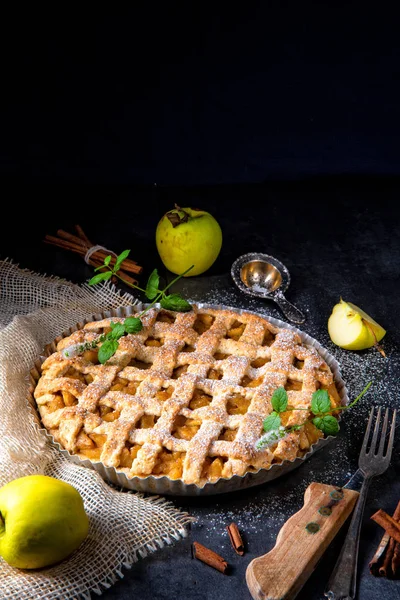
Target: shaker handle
[[290, 311]]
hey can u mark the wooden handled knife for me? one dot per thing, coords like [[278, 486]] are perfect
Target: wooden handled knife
[[281, 573]]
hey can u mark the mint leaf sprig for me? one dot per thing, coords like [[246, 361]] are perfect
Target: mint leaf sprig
[[169, 302], [109, 341], [152, 292], [321, 408]]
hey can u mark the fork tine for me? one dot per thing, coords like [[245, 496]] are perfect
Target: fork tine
[[391, 437], [383, 433], [376, 431], [367, 431]]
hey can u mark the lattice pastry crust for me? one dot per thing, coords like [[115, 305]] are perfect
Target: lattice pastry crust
[[185, 398]]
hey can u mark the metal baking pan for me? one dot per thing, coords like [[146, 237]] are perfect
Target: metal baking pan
[[162, 485]]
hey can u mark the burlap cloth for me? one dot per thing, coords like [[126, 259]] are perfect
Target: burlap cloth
[[124, 526]]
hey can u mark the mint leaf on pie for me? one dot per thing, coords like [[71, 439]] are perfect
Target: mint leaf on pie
[[327, 424], [279, 400], [133, 325], [320, 402], [272, 422], [107, 350], [117, 331]]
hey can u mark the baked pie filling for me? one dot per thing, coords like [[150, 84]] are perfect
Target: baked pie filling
[[185, 397]]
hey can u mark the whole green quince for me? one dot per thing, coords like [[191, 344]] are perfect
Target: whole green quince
[[188, 237], [42, 521]]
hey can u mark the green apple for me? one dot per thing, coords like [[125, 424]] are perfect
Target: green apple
[[186, 237], [42, 521], [352, 329]]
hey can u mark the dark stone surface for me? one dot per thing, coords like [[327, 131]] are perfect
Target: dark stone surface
[[338, 237]]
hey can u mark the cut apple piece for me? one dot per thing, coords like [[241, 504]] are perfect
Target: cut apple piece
[[351, 328]]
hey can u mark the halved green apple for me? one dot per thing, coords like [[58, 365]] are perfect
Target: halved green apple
[[351, 328]]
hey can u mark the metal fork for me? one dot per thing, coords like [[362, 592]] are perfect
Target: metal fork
[[342, 583]]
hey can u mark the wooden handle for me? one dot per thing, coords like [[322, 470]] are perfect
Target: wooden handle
[[281, 573]]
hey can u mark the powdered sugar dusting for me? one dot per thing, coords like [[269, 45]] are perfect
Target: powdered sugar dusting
[[256, 287]]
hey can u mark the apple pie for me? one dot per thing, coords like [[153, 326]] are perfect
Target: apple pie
[[185, 397]]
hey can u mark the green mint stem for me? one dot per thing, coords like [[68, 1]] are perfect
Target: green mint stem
[[161, 293], [176, 278], [132, 285], [364, 391], [357, 399], [156, 299]]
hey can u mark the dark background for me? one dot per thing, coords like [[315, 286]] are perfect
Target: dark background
[[281, 119], [200, 93]]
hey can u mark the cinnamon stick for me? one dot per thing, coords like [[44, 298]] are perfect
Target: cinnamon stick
[[95, 263], [72, 238], [235, 538], [127, 264], [388, 523], [79, 248], [379, 556], [126, 278], [83, 235], [396, 560], [68, 245], [209, 557], [386, 570]]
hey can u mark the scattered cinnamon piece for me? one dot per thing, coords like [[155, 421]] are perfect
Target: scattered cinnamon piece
[[236, 539], [209, 557]]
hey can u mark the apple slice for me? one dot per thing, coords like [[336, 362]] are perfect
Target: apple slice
[[351, 328]]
